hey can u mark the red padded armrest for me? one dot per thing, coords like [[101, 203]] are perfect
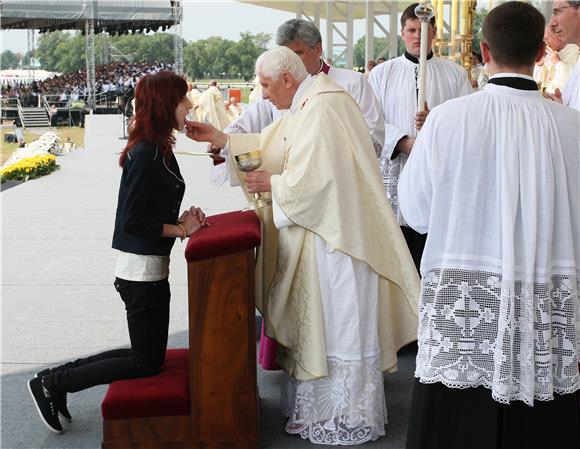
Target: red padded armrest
[[227, 233]]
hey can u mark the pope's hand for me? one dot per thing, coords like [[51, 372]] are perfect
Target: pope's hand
[[204, 132], [420, 118], [258, 181], [215, 154], [556, 96]]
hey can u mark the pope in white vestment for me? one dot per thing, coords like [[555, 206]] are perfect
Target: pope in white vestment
[[259, 115], [342, 299], [212, 106]]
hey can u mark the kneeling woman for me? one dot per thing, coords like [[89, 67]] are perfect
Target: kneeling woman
[[146, 226]]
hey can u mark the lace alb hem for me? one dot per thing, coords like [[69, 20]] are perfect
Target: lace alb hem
[[519, 339], [347, 407]]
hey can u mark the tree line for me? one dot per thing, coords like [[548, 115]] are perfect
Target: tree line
[[214, 57]]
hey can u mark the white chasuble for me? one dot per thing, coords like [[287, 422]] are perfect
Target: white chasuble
[[213, 109], [395, 85], [321, 145], [499, 195], [196, 110]]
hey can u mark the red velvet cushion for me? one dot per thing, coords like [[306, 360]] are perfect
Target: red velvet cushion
[[227, 233], [166, 394]]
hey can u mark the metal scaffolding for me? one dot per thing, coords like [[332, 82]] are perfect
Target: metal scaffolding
[[90, 60], [177, 11]]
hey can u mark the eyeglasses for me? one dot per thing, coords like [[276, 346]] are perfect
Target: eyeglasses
[[557, 11]]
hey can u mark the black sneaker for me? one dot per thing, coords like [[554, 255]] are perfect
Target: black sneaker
[[45, 405], [59, 398]]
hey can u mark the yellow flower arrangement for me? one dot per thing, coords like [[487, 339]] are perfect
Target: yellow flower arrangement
[[30, 168]]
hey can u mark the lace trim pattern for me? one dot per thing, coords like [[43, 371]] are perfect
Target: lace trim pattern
[[519, 339], [345, 408], [391, 170], [234, 128]]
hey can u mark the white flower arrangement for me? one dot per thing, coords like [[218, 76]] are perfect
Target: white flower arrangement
[[45, 144]]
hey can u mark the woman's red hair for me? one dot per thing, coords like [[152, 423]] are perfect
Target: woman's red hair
[[156, 98]]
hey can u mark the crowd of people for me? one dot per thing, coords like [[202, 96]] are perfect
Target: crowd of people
[[111, 79], [455, 224]]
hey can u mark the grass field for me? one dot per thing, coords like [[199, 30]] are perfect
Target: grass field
[[77, 136]]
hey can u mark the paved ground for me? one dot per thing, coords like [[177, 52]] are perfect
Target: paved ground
[[58, 302]]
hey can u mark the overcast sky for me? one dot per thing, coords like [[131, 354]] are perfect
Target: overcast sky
[[203, 19]]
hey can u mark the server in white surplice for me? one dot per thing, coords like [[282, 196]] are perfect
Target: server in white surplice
[[395, 85], [493, 179]]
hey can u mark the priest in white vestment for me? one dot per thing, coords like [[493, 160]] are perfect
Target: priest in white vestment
[[395, 85], [566, 22], [212, 107], [234, 109], [499, 195], [342, 299], [193, 94]]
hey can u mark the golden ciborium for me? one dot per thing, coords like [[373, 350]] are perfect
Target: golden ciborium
[[248, 162]]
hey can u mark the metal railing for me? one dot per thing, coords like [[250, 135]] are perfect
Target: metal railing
[[20, 113]]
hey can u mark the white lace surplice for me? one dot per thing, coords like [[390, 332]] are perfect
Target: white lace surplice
[[499, 301], [346, 407]]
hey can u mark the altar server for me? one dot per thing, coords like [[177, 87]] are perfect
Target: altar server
[[493, 179], [343, 296], [395, 85]]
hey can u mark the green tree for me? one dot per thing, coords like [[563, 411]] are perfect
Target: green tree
[[207, 58], [155, 48], [8, 60], [381, 46], [241, 57], [477, 23], [46, 51], [70, 54]]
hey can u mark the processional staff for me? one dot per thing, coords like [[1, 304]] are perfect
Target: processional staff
[[424, 11]]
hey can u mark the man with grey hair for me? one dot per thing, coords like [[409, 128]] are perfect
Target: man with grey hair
[[342, 297], [565, 22]]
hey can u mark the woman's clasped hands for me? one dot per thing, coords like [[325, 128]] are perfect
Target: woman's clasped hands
[[193, 219]]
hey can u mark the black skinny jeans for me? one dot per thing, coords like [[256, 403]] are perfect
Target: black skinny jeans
[[147, 306]]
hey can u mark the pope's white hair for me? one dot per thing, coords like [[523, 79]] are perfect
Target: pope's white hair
[[272, 62]]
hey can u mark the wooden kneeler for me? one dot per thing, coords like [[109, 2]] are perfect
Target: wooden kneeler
[[223, 396]]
